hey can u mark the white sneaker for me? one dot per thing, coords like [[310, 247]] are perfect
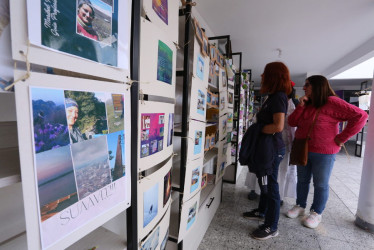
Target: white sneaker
[[313, 220], [296, 211]]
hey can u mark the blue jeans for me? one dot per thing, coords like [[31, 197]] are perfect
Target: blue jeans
[[270, 201], [319, 166]]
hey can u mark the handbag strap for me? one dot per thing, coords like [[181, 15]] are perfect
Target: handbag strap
[[314, 122]]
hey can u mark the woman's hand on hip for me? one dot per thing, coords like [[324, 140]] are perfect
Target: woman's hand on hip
[[338, 142]]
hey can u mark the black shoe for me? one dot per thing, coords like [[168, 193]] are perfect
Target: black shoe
[[252, 195], [254, 215], [262, 233]]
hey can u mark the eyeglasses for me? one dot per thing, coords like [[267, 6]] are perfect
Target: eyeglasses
[[307, 84]]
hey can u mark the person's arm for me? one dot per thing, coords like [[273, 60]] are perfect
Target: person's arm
[[294, 117], [356, 118], [277, 125]]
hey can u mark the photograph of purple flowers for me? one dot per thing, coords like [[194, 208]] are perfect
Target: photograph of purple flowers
[[50, 124], [78, 163]]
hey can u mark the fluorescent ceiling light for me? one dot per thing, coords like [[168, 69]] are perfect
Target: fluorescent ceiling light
[[360, 71]]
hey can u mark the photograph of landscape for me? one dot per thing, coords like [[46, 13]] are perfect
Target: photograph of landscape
[[56, 181], [91, 165]]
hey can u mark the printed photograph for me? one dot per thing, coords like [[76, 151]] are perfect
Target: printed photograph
[[200, 102], [212, 141], [231, 98], [145, 134], [198, 142], [213, 55], [164, 63], [198, 31], [84, 28], [86, 115], [150, 204], [91, 165], [49, 119], [223, 100], [195, 179], [200, 67], [229, 117], [115, 112], [170, 129], [152, 242], [224, 79], [152, 133], [205, 46], [167, 187], [94, 20], [144, 150], [56, 181], [209, 97], [224, 126], [191, 215], [204, 180], [161, 9], [164, 241], [116, 154], [6, 60], [207, 143]]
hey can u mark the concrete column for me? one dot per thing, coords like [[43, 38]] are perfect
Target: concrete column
[[365, 209]]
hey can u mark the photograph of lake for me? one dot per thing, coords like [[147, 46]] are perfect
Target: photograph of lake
[[56, 181]]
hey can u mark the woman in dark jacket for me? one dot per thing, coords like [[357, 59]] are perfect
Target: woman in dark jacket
[[277, 84]]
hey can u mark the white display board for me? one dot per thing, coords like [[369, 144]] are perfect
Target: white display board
[[158, 238], [155, 133], [192, 183], [164, 14], [153, 198], [195, 140], [73, 180], [189, 216], [68, 50], [158, 61]]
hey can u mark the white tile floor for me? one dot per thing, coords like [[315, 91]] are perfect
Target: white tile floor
[[229, 230]]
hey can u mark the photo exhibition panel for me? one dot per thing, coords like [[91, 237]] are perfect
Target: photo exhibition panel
[[158, 61], [85, 36], [79, 144]]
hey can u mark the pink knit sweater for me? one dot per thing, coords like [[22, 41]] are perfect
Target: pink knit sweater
[[326, 127]]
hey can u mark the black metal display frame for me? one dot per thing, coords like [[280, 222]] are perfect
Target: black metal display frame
[[132, 211]]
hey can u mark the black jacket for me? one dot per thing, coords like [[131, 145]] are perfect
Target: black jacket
[[257, 151]]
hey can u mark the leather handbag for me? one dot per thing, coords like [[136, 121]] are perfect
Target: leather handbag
[[299, 150]]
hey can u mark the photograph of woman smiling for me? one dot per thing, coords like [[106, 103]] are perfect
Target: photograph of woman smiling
[[85, 16]]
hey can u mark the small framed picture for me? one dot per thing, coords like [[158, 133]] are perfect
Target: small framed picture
[[198, 32], [213, 53], [205, 46], [211, 69], [207, 143], [204, 180]]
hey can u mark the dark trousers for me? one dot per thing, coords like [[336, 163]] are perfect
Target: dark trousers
[[269, 199]]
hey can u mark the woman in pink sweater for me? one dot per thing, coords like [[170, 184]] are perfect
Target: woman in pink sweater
[[325, 142]]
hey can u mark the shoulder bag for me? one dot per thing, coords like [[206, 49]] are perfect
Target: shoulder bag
[[299, 150]]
